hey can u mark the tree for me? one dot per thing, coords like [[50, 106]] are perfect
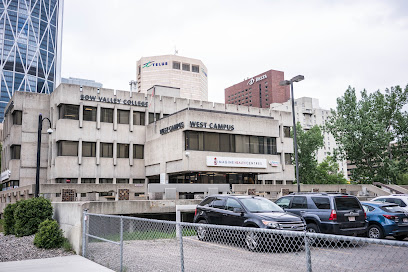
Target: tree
[[372, 133], [327, 172], [308, 141]]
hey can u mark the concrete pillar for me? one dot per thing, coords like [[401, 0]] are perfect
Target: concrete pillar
[[115, 118], [80, 151], [98, 117], [282, 159], [115, 152], [98, 151], [131, 120], [131, 153], [81, 114]]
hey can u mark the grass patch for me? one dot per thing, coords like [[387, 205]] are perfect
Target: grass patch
[[66, 245], [147, 235], [1, 225]]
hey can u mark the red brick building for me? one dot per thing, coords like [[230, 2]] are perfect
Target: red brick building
[[259, 91]]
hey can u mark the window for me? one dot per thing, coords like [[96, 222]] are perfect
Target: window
[[151, 117], [17, 117], [397, 201], [288, 158], [106, 115], [176, 65], [138, 118], [123, 116], [286, 132], [69, 112], [231, 204], [67, 148], [211, 141], [218, 203], [227, 143], [186, 67], [89, 113], [299, 202], [321, 202], [347, 203], [105, 180], [88, 180], [194, 140], [122, 180], [123, 151], [83, 194], [138, 152], [106, 150], [88, 149], [195, 68], [138, 181], [66, 180], [15, 152], [242, 144], [284, 202]]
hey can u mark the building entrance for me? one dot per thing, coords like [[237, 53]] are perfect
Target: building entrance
[[215, 178]]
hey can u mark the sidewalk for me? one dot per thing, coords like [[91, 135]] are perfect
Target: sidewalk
[[58, 264]]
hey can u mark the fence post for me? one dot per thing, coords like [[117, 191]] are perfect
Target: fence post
[[84, 219], [121, 244], [180, 238], [308, 255]]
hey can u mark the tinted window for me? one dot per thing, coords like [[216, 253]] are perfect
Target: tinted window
[[346, 203], [231, 204], [392, 209], [123, 151], [67, 148], [138, 118], [123, 116], [396, 201], [106, 115], [17, 117], [138, 152], [106, 150], [380, 200], [88, 149], [260, 205], [299, 202], [321, 202], [283, 202], [89, 113], [69, 112], [368, 208], [218, 203], [206, 201]]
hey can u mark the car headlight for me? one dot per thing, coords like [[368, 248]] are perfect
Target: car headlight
[[271, 224]]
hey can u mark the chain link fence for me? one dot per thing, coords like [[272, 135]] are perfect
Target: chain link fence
[[137, 244]]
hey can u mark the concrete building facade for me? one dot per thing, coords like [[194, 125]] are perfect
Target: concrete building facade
[[309, 114], [259, 91], [187, 74], [105, 143], [30, 47]]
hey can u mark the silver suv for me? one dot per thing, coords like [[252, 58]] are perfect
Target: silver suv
[[399, 199]]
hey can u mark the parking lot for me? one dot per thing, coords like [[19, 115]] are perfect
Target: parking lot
[[164, 255]]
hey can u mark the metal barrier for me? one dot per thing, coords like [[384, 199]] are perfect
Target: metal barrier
[[137, 244]]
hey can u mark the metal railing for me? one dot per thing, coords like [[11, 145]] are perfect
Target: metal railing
[[137, 244]]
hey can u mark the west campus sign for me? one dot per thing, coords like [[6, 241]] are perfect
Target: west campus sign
[[194, 124], [113, 100]]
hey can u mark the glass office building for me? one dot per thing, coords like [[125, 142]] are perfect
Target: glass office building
[[30, 42]]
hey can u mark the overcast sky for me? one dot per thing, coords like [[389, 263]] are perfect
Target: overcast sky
[[334, 44]]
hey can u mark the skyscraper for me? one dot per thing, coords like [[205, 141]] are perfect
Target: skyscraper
[[30, 47]]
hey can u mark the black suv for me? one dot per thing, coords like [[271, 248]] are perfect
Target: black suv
[[244, 211], [327, 213]]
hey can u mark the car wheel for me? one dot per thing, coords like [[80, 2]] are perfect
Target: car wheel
[[400, 237], [375, 232], [313, 228], [253, 240], [202, 232]]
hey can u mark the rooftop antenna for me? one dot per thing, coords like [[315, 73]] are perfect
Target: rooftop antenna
[[175, 50]]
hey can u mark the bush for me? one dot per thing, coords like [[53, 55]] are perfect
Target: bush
[[29, 214], [49, 235], [9, 218]]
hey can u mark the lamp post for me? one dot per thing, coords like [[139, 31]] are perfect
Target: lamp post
[[37, 173], [290, 82]]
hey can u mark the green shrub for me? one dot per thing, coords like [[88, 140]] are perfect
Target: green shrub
[[29, 214], [66, 245], [9, 221], [49, 235]]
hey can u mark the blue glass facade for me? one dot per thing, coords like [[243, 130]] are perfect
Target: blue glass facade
[[30, 41]]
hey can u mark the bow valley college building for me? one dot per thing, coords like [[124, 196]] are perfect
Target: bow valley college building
[[109, 145]]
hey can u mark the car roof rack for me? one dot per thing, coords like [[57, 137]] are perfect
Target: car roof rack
[[307, 193], [398, 195]]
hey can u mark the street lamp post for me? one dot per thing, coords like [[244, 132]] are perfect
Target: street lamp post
[[290, 82], [37, 173]]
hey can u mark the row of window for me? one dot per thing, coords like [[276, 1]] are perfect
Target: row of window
[[101, 180], [186, 67], [67, 111], [210, 141], [70, 148]]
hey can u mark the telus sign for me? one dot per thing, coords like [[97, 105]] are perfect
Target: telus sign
[[253, 80]]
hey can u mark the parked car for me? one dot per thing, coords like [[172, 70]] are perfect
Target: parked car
[[244, 211], [386, 219], [327, 213], [399, 199]]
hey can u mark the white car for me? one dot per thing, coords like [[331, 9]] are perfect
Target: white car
[[399, 199]]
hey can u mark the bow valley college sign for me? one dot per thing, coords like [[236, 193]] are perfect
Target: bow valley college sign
[[253, 80], [236, 162], [113, 100]]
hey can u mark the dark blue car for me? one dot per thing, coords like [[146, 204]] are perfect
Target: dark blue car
[[385, 219]]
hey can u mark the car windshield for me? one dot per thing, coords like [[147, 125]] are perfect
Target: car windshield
[[258, 205], [392, 209]]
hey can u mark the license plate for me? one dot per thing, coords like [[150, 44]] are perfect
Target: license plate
[[405, 220], [352, 218]]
